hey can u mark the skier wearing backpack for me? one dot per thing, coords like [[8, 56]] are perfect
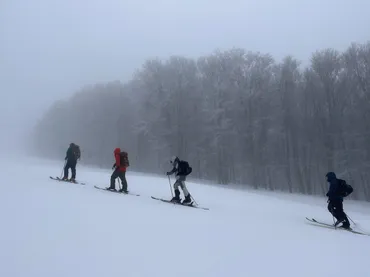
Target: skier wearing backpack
[[182, 169], [73, 154], [120, 166], [337, 190]]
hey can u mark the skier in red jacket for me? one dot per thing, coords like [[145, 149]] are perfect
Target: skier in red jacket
[[120, 167]]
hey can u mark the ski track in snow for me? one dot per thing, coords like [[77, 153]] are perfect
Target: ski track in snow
[[54, 229]]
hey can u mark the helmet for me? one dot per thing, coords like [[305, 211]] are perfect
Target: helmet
[[174, 159]]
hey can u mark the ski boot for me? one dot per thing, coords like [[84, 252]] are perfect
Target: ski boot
[[123, 191], [111, 188], [72, 180], [176, 198], [187, 200], [345, 224]]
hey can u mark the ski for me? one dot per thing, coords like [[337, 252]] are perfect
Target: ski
[[176, 203], [331, 226], [116, 191], [67, 181]]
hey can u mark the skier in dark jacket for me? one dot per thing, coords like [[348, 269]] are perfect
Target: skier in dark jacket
[[72, 155], [335, 200], [182, 170]]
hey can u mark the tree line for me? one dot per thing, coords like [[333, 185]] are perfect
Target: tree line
[[238, 117]]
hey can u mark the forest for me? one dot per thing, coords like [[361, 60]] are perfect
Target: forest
[[240, 118]]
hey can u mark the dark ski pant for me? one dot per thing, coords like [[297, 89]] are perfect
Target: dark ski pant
[[118, 174], [70, 165], [335, 207]]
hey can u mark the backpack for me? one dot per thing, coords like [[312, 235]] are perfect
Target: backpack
[[77, 151], [344, 188], [184, 168], [123, 156]]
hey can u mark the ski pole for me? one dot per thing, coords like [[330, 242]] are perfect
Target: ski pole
[[169, 182], [61, 174], [351, 220], [194, 200], [354, 223]]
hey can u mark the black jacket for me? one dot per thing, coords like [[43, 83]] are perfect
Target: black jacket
[[334, 184], [71, 155]]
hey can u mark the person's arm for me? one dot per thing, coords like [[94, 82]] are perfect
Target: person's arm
[[68, 153], [172, 171], [332, 189], [118, 162]]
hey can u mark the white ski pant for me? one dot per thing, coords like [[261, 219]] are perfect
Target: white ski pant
[[180, 182]]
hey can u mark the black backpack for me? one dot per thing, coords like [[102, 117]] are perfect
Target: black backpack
[[184, 168], [77, 151], [124, 159], [344, 188]]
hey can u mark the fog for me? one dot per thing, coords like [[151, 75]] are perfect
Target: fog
[[50, 49]]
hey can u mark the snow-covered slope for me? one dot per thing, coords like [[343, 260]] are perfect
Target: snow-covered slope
[[53, 229]]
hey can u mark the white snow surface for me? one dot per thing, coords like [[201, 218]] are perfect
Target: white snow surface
[[54, 229]]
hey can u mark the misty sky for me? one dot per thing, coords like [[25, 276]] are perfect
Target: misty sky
[[51, 48]]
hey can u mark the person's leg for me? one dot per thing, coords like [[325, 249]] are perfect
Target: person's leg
[[342, 217], [66, 168], [186, 193], [73, 169], [122, 176], [176, 198], [331, 207], [113, 178]]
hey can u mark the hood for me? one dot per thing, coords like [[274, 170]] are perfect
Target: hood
[[117, 150], [330, 176]]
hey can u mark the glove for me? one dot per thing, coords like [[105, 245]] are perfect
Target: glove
[[168, 173], [114, 166]]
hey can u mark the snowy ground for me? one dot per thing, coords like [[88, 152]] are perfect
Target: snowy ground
[[52, 229]]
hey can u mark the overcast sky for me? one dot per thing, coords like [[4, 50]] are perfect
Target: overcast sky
[[51, 48]]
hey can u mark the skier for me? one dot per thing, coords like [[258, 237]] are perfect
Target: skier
[[120, 167], [182, 169], [335, 199], [73, 154]]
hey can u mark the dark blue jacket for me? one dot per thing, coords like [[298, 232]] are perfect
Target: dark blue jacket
[[333, 188], [73, 153]]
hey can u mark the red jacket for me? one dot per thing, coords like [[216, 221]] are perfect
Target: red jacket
[[118, 160]]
